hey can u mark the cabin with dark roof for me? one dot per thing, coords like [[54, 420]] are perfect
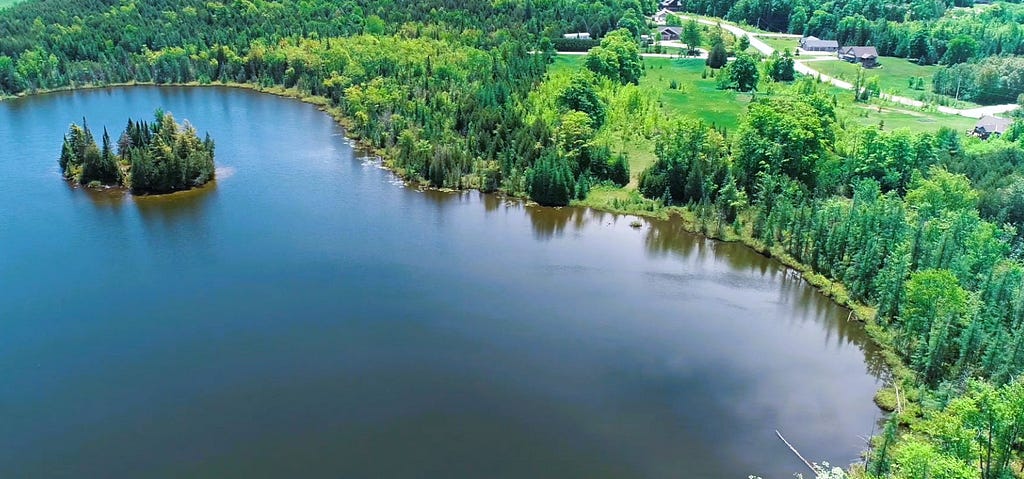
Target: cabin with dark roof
[[815, 44], [991, 125], [672, 5], [866, 56], [670, 33]]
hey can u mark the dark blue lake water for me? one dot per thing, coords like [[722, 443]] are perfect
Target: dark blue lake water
[[308, 316]]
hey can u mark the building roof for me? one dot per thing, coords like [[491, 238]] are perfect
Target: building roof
[[993, 124], [815, 42], [859, 52], [676, 30], [582, 35]]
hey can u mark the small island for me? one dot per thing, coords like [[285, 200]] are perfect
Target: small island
[[162, 157]]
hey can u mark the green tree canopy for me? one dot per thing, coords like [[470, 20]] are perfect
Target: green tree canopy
[[742, 74], [618, 57], [717, 57], [691, 36], [939, 192], [581, 94], [550, 182], [961, 49], [787, 135]]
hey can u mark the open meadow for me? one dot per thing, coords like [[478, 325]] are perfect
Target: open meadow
[[683, 89]]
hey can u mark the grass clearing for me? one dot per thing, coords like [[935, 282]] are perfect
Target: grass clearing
[[696, 97], [700, 98], [781, 44], [641, 156], [562, 62], [894, 117], [750, 28], [893, 76], [893, 73]]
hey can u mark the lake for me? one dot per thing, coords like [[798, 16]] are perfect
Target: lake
[[307, 315]]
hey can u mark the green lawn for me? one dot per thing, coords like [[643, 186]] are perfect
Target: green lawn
[[749, 28], [700, 98], [697, 97], [562, 62], [894, 118], [781, 44], [893, 74]]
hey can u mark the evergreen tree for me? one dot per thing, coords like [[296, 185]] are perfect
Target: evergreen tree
[[550, 181], [67, 158], [160, 158], [618, 169], [742, 44], [691, 36], [717, 57]]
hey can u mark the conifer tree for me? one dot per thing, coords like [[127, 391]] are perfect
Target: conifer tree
[[717, 57]]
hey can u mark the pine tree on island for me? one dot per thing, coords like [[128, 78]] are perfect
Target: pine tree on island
[[152, 158]]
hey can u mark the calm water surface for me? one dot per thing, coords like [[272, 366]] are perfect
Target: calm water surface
[[306, 316]]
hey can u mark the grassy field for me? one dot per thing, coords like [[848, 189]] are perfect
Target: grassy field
[[697, 97], [780, 44], [893, 74], [700, 98], [749, 28], [896, 117]]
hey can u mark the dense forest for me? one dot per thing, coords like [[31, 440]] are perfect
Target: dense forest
[[894, 218], [922, 232], [161, 157], [439, 85]]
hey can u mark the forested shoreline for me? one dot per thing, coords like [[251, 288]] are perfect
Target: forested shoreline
[[923, 230], [444, 99]]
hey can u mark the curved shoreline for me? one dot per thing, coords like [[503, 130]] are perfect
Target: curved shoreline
[[833, 290]]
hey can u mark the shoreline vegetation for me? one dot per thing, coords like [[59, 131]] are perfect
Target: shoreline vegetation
[[904, 393], [832, 289], [686, 217], [917, 230], [152, 158]]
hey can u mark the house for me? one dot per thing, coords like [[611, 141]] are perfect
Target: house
[[670, 33], [672, 5], [579, 35], [815, 44], [991, 125], [866, 56], [661, 17]]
